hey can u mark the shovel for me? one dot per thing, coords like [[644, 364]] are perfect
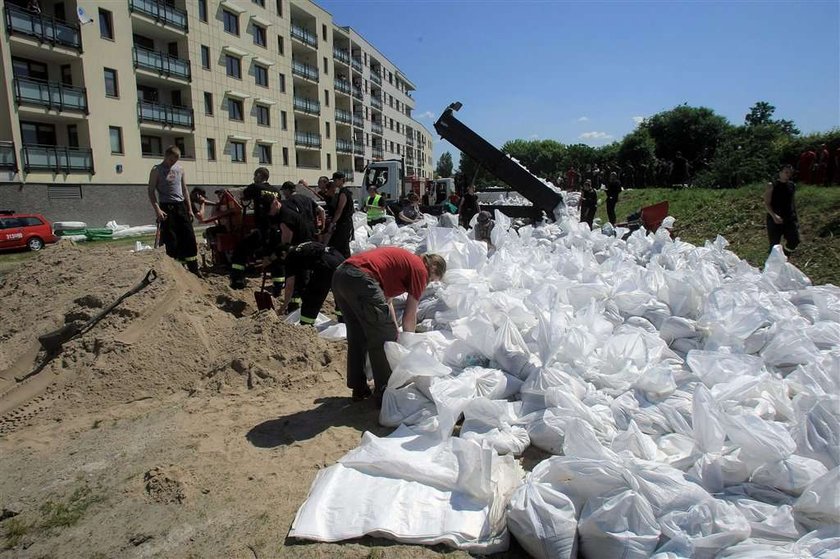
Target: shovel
[[263, 297], [53, 341]]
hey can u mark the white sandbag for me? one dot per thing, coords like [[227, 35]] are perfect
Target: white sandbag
[[511, 352], [666, 488], [819, 504], [494, 421], [543, 521], [760, 440], [582, 478], [676, 327], [635, 442], [715, 471], [708, 431], [406, 405], [782, 274], [824, 334], [788, 348], [819, 544], [791, 475], [618, 525], [535, 389], [494, 384], [419, 362], [704, 529], [294, 318], [769, 522], [817, 428], [546, 429], [334, 332], [713, 367]]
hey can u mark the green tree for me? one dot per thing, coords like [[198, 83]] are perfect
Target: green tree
[[637, 148], [473, 173], [696, 132], [542, 157], [444, 165], [762, 114]]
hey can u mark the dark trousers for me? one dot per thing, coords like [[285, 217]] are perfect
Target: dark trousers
[[611, 202], [318, 286], [176, 233], [789, 229], [587, 214], [466, 217], [369, 325], [254, 243], [340, 239]]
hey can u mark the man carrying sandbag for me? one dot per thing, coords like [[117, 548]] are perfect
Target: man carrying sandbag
[[364, 287]]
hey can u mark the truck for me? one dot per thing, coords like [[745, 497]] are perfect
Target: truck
[[389, 177], [546, 203]]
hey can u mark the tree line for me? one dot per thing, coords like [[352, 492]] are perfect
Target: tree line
[[716, 153]]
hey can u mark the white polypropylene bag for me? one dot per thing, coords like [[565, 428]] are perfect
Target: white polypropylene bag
[[543, 521], [819, 504], [618, 525], [511, 351], [494, 421], [704, 529], [791, 475]]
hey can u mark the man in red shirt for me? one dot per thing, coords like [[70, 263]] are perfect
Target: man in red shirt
[[364, 287], [806, 164]]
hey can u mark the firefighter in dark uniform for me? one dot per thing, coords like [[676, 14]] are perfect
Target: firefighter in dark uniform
[[259, 195], [317, 260]]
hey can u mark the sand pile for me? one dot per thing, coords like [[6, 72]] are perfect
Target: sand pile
[[178, 334]]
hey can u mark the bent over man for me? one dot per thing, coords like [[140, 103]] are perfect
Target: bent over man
[[320, 262], [364, 287]]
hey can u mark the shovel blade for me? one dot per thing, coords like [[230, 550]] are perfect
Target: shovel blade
[[52, 341], [263, 299]]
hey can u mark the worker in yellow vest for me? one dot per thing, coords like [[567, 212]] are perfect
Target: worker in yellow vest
[[374, 206]]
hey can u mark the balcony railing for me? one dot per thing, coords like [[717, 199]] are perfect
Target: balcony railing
[[376, 128], [374, 77], [44, 28], [161, 12], [304, 36], [343, 86], [343, 146], [303, 70], [168, 115], [57, 159], [308, 139], [376, 103], [358, 94], [359, 149], [358, 121], [161, 63], [356, 64], [8, 157], [377, 152], [52, 95], [343, 116], [308, 106], [341, 55]]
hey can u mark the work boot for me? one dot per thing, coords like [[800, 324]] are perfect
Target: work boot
[[293, 306], [360, 394], [192, 266]]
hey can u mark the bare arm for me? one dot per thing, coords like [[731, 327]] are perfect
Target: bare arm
[[410, 314], [393, 313], [153, 176], [339, 209], [768, 196], [185, 193]]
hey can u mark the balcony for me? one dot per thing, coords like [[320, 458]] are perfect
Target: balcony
[[343, 146], [378, 153], [341, 55], [308, 106], [358, 94], [348, 174], [376, 128], [57, 159], [161, 63], [168, 115], [305, 71], [374, 77], [304, 36], [8, 157], [359, 149], [376, 103], [43, 28], [409, 141], [343, 117], [308, 140], [356, 63], [161, 12], [52, 95], [358, 121], [342, 86]]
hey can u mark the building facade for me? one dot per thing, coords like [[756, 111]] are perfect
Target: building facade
[[93, 94]]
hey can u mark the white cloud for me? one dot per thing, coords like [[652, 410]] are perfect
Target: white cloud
[[583, 119], [638, 119], [595, 136], [427, 115]]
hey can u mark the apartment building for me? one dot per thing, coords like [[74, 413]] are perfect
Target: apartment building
[[93, 93]]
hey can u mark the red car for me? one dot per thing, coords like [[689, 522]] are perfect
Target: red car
[[30, 231]]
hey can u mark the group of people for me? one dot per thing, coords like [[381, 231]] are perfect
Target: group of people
[[660, 172], [818, 166], [589, 199]]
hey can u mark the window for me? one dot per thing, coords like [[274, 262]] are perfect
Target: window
[[36, 133], [282, 83], [208, 103], [233, 66], [286, 157], [329, 161], [326, 66], [66, 75], [211, 149], [151, 145], [324, 31], [260, 3], [261, 75], [327, 126], [264, 152], [283, 123], [280, 44], [72, 136], [116, 139], [202, 10], [327, 97], [111, 86], [237, 152], [263, 115], [106, 24], [235, 111], [182, 147], [231, 22], [260, 36], [205, 57]]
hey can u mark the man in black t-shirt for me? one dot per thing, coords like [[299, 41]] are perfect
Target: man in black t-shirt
[[613, 190], [780, 205], [340, 231], [259, 196], [304, 205], [316, 260]]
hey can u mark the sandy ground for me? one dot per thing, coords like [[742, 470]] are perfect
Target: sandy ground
[[184, 424]]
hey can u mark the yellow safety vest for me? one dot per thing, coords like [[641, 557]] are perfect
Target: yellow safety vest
[[375, 211]]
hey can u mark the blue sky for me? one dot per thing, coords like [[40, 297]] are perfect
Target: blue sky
[[584, 71]]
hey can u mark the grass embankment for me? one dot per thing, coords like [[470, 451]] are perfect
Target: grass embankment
[[738, 215]]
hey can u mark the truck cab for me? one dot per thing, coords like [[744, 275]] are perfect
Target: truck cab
[[387, 175]]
